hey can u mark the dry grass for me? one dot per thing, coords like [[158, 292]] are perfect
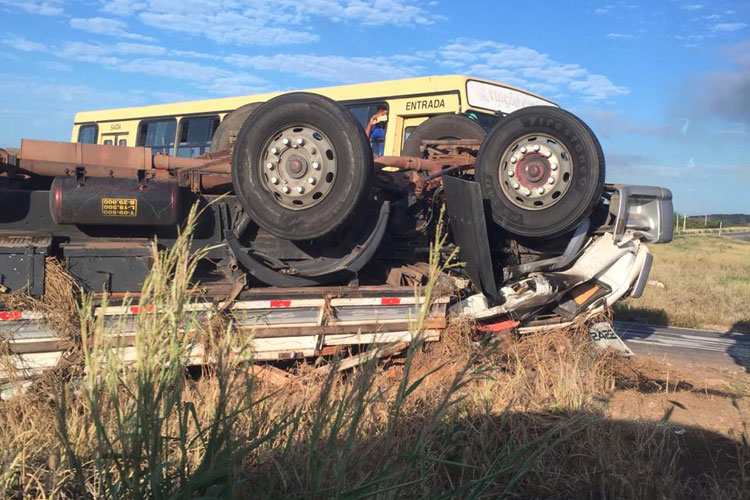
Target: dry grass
[[59, 305], [706, 284], [519, 418], [523, 419]]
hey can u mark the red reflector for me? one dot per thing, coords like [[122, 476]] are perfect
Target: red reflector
[[281, 303], [137, 309], [390, 301], [502, 326], [10, 315]]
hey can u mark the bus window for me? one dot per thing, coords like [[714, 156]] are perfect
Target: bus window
[[87, 134], [486, 120], [376, 135], [195, 135], [158, 135], [407, 133], [363, 112]]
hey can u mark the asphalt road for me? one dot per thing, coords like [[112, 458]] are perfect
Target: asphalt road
[[686, 345], [743, 236]]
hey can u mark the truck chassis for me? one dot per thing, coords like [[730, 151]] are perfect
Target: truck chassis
[[99, 208]]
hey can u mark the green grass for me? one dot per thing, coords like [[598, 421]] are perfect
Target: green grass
[[706, 285]]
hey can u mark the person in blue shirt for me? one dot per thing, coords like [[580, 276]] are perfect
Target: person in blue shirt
[[375, 130]]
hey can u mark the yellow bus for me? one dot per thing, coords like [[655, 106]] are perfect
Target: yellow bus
[[186, 129]]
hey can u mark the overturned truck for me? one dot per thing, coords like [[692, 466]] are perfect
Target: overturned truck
[[315, 243]]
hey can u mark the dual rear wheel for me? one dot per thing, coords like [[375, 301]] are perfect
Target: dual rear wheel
[[302, 166], [541, 169]]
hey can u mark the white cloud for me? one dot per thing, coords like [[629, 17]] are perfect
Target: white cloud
[[227, 27], [724, 27], [21, 43], [597, 88], [56, 66], [620, 36], [142, 58], [627, 167], [43, 104], [88, 53], [609, 123], [43, 8], [734, 130], [515, 65], [126, 48], [685, 126], [123, 7], [216, 80], [395, 12], [528, 68], [336, 69], [692, 6], [192, 54], [268, 22], [105, 26]]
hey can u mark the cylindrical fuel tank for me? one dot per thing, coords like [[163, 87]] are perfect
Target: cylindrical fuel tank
[[119, 202]]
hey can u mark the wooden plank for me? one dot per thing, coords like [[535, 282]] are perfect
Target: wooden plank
[[359, 359], [30, 346], [338, 329], [378, 338], [271, 374]]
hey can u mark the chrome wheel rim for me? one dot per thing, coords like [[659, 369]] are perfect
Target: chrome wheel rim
[[535, 171], [298, 167]]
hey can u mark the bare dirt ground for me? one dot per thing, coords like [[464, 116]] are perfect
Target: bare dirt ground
[[690, 395]]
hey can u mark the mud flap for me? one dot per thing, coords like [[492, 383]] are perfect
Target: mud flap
[[469, 228]]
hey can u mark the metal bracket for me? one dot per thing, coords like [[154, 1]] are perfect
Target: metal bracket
[[580, 236], [142, 178], [80, 174]]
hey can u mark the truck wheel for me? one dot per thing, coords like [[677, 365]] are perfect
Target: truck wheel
[[442, 127], [231, 126], [302, 166], [542, 171]]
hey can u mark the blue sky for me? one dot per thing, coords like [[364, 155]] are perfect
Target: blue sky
[[664, 84]]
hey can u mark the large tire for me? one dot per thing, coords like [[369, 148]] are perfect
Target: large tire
[[230, 126], [332, 167], [533, 193], [442, 127]]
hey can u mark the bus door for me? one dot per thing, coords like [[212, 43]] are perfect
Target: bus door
[[409, 124]]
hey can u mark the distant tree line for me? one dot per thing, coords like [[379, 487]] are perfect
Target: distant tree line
[[714, 220]]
